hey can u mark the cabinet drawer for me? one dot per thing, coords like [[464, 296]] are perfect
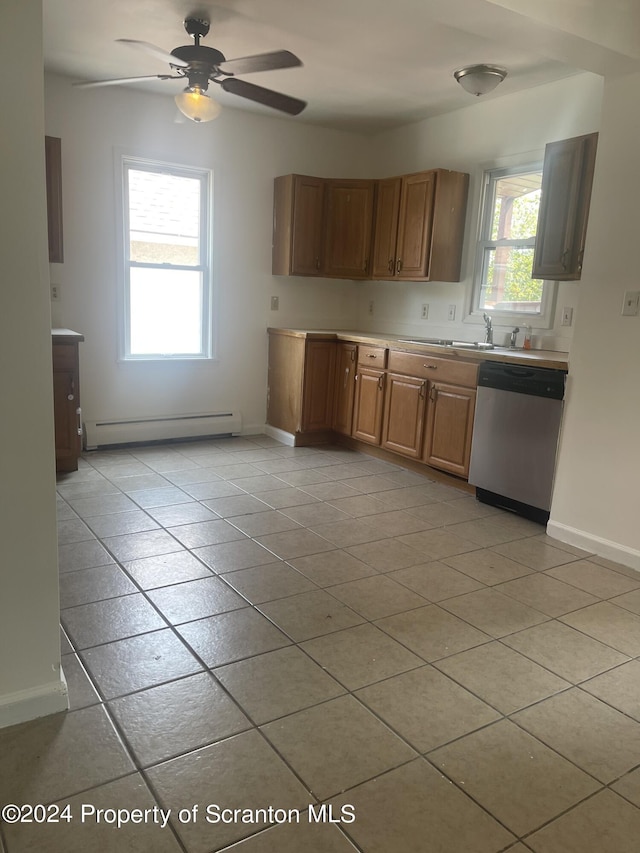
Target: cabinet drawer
[[372, 357], [65, 356], [430, 367]]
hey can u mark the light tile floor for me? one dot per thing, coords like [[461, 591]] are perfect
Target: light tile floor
[[250, 625]]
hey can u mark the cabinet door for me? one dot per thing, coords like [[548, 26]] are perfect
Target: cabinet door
[[367, 417], [344, 388], [306, 238], [450, 411], [404, 414], [386, 228], [317, 399], [349, 219], [567, 177], [414, 225]]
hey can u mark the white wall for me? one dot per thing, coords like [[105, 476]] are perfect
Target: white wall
[[245, 152], [595, 503], [30, 680], [504, 131]]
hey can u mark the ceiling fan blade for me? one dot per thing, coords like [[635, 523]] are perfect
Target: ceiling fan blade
[[158, 52], [261, 62], [269, 98], [90, 84]]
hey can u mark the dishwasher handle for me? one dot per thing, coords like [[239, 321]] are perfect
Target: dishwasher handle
[[536, 381]]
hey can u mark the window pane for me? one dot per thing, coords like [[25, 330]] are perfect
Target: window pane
[[516, 203], [165, 312], [506, 281], [164, 218]]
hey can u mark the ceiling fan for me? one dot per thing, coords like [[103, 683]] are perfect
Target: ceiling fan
[[201, 65]]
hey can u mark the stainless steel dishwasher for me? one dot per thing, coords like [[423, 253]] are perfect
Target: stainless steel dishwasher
[[515, 437]]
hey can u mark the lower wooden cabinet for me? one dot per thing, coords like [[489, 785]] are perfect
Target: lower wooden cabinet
[[66, 399], [449, 429], [414, 404], [300, 384], [404, 409], [368, 405], [343, 394]]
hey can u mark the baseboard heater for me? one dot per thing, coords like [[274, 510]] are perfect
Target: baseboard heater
[[160, 428]]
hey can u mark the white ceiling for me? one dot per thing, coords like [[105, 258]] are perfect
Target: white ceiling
[[367, 64]]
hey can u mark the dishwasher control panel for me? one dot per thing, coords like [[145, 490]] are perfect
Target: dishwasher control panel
[[537, 381]]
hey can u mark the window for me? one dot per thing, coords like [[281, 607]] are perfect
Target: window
[[503, 285], [167, 278]]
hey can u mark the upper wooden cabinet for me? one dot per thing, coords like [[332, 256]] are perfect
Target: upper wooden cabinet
[[322, 227], [348, 226], [410, 227], [298, 211], [53, 167], [419, 226], [567, 177]]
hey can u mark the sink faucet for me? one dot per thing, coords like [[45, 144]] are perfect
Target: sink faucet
[[488, 335], [512, 341]]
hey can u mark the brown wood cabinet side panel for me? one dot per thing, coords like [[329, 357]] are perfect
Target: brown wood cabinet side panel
[[449, 216], [386, 228], [284, 384], [282, 225], [348, 228], [319, 371], [449, 431], [404, 407], [53, 167]]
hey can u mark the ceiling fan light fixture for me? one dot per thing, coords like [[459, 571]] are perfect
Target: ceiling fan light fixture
[[195, 104], [480, 79]]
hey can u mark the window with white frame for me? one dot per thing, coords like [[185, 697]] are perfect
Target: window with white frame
[[167, 271], [503, 286]]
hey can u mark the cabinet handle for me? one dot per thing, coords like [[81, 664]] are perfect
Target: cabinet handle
[[381, 383], [353, 354], [398, 265], [432, 393], [391, 264], [423, 390], [564, 259], [79, 415], [317, 263], [346, 376], [70, 397], [580, 257], [431, 366], [371, 355]]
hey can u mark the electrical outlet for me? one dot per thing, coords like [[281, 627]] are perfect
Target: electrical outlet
[[631, 304], [55, 292], [452, 312], [371, 306], [424, 314], [275, 303], [567, 316]]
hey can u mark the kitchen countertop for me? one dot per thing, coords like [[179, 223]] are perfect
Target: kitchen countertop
[[534, 357]]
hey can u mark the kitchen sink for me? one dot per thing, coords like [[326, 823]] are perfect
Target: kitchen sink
[[437, 342]]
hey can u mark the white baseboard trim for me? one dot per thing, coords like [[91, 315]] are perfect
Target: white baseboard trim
[[595, 544], [24, 705], [287, 438]]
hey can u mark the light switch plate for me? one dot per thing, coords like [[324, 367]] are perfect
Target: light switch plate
[[275, 303]]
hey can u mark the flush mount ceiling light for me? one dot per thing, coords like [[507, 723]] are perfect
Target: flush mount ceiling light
[[195, 104], [480, 79]]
